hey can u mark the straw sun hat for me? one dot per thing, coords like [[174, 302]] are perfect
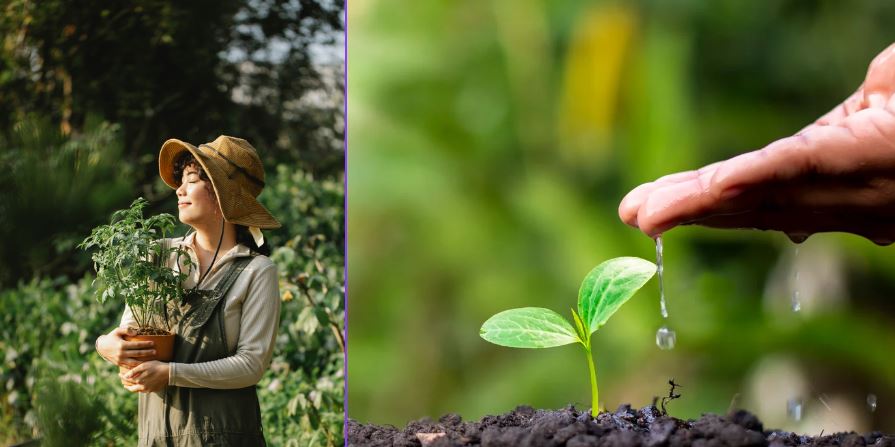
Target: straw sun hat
[[236, 174]]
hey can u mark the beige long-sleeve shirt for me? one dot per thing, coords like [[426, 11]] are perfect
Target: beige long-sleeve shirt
[[251, 318]]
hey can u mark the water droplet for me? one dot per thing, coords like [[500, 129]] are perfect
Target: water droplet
[[871, 402], [659, 270], [794, 409], [796, 304], [665, 338]]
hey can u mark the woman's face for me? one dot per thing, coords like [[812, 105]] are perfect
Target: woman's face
[[196, 203]]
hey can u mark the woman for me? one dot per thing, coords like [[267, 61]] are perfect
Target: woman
[[227, 328]]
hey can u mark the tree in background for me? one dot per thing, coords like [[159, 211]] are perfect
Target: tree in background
[[187, 69], [268, 71]]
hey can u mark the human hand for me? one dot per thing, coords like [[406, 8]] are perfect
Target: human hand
[[837, 174], [146, 377], [114, 348]]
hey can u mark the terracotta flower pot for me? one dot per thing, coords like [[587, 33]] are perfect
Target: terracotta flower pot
[[164, 345]]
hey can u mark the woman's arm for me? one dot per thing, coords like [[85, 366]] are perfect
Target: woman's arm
[[257, 337]]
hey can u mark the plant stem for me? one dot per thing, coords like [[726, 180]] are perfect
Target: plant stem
[[595, 393]]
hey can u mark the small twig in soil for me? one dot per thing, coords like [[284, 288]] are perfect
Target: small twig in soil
[[671, 396]]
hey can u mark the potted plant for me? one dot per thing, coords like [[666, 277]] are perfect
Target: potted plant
[[130, 260]]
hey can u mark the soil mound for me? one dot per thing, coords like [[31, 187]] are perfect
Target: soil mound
[[568, 427]]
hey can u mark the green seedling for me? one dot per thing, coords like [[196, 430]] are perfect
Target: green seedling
[[603, 291]]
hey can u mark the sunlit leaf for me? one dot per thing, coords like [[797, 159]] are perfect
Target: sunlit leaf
[[608, 286], [528, 327]]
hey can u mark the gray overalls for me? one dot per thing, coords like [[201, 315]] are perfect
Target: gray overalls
[[187, 417]]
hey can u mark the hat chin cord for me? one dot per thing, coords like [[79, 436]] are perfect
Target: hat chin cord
[[216, 250]]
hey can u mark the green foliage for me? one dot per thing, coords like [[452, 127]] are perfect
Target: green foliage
[[48, 331], [57, 400], [54, 189], [131, 263], [308, 206], [302, 396], [603, 291]]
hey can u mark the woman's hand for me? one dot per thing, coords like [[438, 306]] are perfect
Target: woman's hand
[[837, 174], [146, 377], [115, 349]]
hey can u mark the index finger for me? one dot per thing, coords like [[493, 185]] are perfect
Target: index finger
[[630, 205]]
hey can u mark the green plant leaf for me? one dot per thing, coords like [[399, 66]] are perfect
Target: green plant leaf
[[608, 286], [528, 327]]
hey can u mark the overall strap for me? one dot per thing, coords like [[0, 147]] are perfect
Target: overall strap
[[236, 268], [203, 309]]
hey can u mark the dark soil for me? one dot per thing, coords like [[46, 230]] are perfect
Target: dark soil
[[147, 331], [569, 427]]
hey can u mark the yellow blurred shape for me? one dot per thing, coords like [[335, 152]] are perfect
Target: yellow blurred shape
[[591, 82]]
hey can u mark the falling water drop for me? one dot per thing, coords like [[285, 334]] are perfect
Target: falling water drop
[[871, 402], [659, 271], [794, 409], [665, 338], [796, 303]]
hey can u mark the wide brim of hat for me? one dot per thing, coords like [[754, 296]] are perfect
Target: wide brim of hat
[[238, 206]]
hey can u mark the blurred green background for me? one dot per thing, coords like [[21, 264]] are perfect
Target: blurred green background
[[89, 91], [491, 142]]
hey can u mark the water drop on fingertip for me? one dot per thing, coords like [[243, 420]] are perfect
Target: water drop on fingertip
[[871, 402], [665, 338]]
